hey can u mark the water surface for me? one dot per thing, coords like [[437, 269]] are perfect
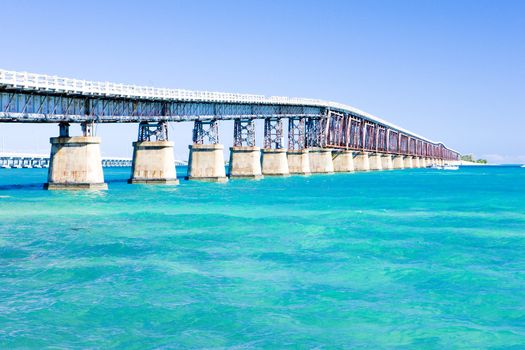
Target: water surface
[[413, 259]]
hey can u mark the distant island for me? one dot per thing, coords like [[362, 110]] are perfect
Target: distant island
[[470, 158]]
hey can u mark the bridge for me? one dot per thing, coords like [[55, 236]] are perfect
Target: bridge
[[323, 136], [33, 160]]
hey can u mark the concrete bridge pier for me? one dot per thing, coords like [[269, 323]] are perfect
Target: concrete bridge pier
[[274, 160], [398, 162], [422, 162], [245, 162], [206, 161], [375, 161], [415, 162], [153, 161], [321, 160], [343, 161], [245, 157], [407, 162], [387, 162], [75, 162], [361, 161], [299, 162], [298, 155]]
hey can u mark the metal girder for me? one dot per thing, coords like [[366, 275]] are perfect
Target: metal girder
[[148, 130], [244, 132], [296, 133], [273, 133], [206, 131], [324, 127]]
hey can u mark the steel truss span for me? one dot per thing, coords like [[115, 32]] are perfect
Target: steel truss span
[[36, 98]]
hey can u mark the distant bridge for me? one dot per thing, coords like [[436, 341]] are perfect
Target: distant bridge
[[312, 124], [32, 160]]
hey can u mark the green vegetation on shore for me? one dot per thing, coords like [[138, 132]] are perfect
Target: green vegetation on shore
[[470, 158]]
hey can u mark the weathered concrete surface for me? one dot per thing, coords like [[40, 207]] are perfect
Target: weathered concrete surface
[[398, 162], [206, 163], [321, 161], [343, 161], [386, 162], [245, 162], [422, 162], [375, 161], [75, 163], [361, 161], [408, 162], [428, 161], [153, 163], [275, 162], [299, 162], [415, 162]]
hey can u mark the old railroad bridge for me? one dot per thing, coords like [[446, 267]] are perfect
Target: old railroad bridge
[[323, 137]]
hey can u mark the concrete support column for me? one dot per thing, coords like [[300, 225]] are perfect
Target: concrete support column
[[408, 162], [321, 160], [361, 161], [375, 161], [206, 163], [245, 162], [422, 162], [275, 162], [343, 161], [153, 163], [299, 162], [398, 162], [386, 162], [415, 162], [75, 163]]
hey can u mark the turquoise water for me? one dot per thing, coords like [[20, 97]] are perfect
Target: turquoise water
[[414, 259]]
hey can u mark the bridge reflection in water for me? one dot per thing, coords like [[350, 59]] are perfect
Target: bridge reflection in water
[[323, 137]]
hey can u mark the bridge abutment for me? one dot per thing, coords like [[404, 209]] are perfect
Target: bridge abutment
[[321, 160], [343, 161], [298, 155], [245, 162], [415, 162], [398, 162], [407, 161], [274, 160], [361, 161], [375, 161], [387, 162], [245, 157], [75, 162], [153, 161], [206, 161], [299, 162]]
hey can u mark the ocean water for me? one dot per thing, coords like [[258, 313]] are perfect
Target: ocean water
[[413, 259]]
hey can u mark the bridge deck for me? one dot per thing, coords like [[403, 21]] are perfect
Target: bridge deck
[[37, 98]]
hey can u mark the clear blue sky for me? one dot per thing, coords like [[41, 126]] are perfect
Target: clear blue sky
[[453, 71]]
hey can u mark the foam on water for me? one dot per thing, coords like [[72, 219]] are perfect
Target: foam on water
[[396, 259]]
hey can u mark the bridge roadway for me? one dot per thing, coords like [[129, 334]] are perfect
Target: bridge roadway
[[323, 136]]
